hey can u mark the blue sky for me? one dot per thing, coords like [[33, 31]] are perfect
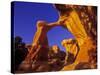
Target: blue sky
[[26, 14]]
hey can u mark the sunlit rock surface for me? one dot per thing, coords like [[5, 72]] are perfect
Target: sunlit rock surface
[[87, 56], [82, 53]]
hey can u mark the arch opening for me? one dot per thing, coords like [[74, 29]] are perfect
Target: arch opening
[[56, 35]]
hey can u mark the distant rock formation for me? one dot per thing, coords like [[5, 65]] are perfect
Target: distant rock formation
[[72, 49]]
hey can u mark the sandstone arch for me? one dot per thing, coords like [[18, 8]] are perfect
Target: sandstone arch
[[75, 23]]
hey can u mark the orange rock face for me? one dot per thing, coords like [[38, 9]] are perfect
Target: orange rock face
[[81, 52], [87, 56]]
